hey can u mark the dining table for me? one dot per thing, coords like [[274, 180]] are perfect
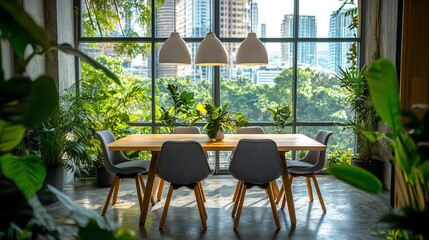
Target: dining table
[[154, 142]]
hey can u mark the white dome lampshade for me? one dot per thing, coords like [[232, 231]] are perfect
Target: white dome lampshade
[[211, 52], [174, 51], [252, 52]]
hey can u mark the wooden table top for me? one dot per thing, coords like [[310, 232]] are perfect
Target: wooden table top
[[153, 142]]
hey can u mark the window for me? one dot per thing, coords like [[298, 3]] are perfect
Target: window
[[306, 41]]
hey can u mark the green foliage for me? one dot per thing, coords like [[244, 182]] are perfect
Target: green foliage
[[341, 157], [365, 118], [411, 157], [220, 118], [110, 107], [27, 172], [357, 177], [112, 18], [26, 103], [281, 116]]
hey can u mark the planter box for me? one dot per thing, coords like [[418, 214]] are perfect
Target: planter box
[[374, 166]]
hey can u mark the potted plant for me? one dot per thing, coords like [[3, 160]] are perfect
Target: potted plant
[[281, 116], [58, 142], [364, 119], [220, 119]]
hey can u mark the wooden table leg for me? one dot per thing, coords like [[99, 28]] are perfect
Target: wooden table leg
[[288, 189], [149, 187]]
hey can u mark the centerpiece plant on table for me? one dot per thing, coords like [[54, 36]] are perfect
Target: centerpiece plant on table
[[220, 119]]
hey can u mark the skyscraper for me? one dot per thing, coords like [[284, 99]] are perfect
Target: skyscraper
[[307, 29], [339, 28]]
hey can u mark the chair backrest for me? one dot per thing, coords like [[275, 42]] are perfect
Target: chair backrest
[[187, 130], [317, 158], [256, 161], [182, 162], [251, 130], [111, 158]]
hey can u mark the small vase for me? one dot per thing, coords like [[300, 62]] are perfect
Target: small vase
[[219, 136]]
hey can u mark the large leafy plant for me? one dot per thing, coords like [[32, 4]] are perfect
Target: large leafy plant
[[365, 118], [281, 116], [182, 109], [26, 103], [410, 153]]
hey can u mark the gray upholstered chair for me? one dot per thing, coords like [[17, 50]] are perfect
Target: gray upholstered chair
[[256, 162], [245, 130], [182, 130], [312, 163], [183, 164], [122, 167]]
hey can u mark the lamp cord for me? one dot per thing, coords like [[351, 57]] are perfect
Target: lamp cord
[[210, 10], [251, 16]]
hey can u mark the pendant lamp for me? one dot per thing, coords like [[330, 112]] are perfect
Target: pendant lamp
[[251, 51], [174, 51], [211, 52]]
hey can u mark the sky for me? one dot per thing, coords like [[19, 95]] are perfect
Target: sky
[[271, 12]]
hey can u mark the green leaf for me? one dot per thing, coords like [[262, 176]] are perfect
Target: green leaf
[[357, 177], [16, 24], [70, 50], [27, 172], [44, 100], [383, 86], [10, 135], [410, 219]]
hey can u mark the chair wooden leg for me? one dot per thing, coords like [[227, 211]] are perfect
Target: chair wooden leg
[[115, 194], [273, 206], [201, 208], [152, 201], [236, 191], [274, 188], [139, 192], [310, 191], [239, 187], [167, 204], [280, 194], [112, 188], [160, 189], [284, 197], [201, 190], [240, 207], [319, 194]]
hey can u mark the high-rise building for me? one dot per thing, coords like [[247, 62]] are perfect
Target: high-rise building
[[339, 28], [263, 30], [306, 54]]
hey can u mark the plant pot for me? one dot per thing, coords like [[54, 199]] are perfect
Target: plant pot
[[55, 178], [373, 166], [219, 136], [104, 178]]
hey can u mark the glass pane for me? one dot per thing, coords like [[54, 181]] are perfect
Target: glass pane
[[341, 141], [267, 16], [319, 94], [190, 78], [101, 18], [192, 18], [135, 92], [251, 90], [320, 19]]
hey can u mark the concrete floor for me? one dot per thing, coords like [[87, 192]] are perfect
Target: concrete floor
[[351, 214]]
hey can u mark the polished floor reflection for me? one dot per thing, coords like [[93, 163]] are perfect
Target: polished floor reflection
[[351, 214]]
